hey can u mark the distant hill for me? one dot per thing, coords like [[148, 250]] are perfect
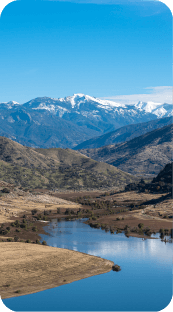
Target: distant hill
[[125, 133], [145, 155], [162, 183], [56, 169]]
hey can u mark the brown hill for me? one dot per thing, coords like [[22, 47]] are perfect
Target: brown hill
[[144, 155], [56, 168]]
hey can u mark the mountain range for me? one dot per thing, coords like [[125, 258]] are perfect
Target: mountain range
[[144, 155], [66, 122], [125, 133]]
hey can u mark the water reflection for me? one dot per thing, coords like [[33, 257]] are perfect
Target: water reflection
[[143, 284]]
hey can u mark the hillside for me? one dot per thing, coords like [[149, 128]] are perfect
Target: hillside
[[141, 156], [162, 183], [125, 133], [56, 169]]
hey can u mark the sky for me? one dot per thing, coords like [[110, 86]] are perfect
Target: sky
[[107, 49]]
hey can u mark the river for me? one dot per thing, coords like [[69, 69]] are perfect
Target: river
[[143, 284]]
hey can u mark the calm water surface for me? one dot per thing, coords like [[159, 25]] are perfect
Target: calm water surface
[[143, 284]]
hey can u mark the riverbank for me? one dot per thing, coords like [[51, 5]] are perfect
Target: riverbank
[[23, 214], [29, 268]]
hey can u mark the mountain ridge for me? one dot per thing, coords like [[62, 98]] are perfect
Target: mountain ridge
[[124, 134], [66, 122], [144, 155]]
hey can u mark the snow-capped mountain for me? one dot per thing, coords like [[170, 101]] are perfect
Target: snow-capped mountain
[[158, 109], [8, 105], [66, 122]]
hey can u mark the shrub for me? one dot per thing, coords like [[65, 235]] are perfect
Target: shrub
[[23, 226], [17, 230], [46, 213], [39, 217], [28, 241], [17, 291], [34, 211], [140, 231], [37, 241], [44, 242], [16, 238], [34, 229], [17, 223], [8, 228], [5, 190], [140, 225], [94, 218], [116, 268], [9, 239]]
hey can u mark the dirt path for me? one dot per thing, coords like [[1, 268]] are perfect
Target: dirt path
[[29, 268]]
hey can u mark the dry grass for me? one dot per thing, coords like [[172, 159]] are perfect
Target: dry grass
[[29, 268]]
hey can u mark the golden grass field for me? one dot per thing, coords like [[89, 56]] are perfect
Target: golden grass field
[[29, 268]]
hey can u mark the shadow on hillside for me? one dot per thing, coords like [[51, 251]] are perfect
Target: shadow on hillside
[[158, 200]]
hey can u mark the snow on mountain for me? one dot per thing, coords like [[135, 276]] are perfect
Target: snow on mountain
[[158, 109], [8, 105], [69, 121]]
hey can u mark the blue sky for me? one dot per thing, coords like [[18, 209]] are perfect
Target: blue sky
[[58, 48]]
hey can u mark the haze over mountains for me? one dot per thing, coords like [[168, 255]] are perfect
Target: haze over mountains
[[125, 133], [66, 122], [142, 156]]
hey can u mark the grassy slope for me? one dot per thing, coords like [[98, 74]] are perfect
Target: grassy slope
[[56, 168]]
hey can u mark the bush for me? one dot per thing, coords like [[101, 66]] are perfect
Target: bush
[[17, 230], [8, 228], [5, 190], [23, 226], [17, 223], [9, 239], [140, 225], [116, 268], [28, 241], [58, 210], [44, 242], [37, 241], [34, 229], [34, 211], [140, 231], [39, 217], [16, 238], [94, 218]]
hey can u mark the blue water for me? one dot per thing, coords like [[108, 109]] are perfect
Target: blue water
[[143, 284]]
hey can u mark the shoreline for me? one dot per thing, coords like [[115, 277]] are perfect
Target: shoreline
[[34, 268]]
